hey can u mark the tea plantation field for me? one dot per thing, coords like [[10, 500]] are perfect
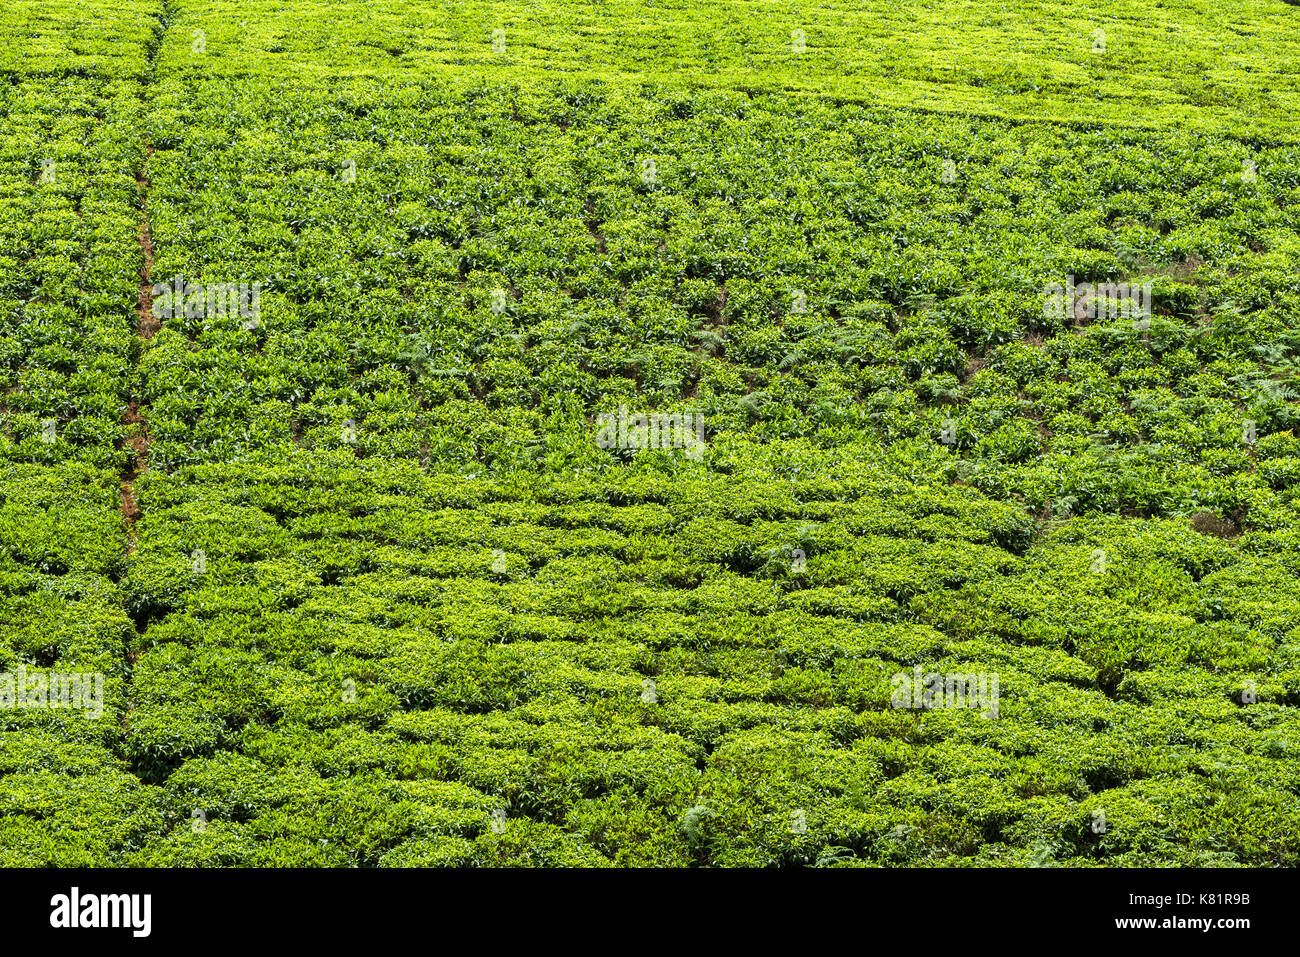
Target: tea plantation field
[[365, 586]]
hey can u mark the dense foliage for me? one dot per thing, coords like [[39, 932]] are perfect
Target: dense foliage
[[360, 577]]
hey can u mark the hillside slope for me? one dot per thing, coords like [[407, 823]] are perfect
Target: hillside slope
[[375, 575]]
